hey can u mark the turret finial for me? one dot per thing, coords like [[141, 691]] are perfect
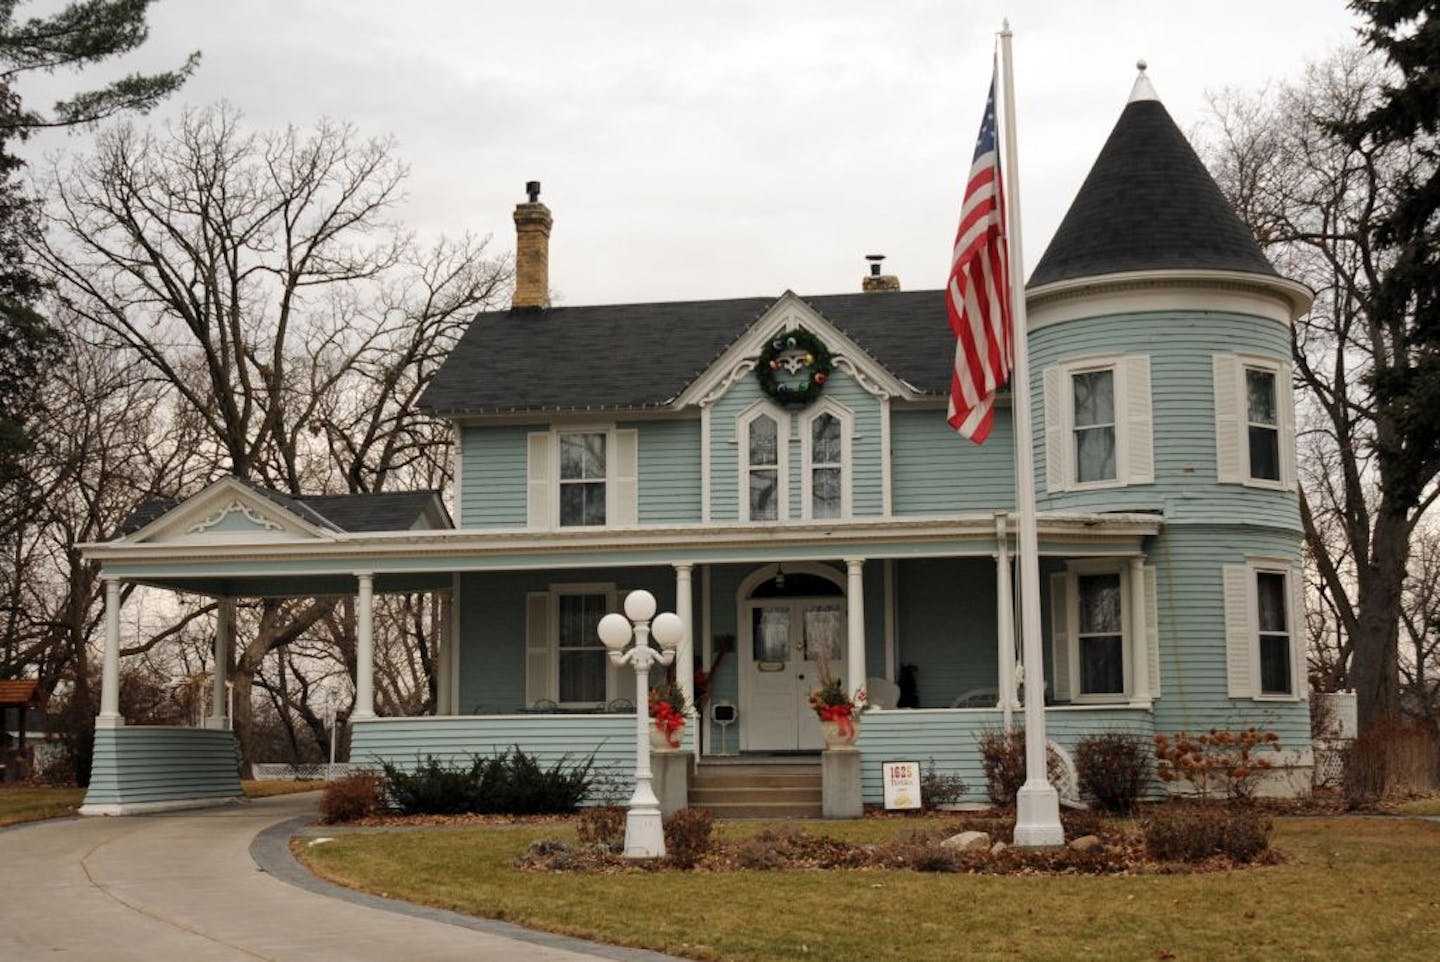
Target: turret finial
[[1143, 89]]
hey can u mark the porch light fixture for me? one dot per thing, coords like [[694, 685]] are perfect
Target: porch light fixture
[[779, 577], [644, 833]]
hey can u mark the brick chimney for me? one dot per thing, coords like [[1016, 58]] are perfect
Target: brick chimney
[[876, 282], [532, 251]]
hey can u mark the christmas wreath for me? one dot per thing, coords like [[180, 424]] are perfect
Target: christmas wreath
[[793, 368]]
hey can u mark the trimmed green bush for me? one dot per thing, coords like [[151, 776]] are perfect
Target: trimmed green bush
[[510, 783]]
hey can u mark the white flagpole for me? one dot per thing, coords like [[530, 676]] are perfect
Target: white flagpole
[[1037, 808]]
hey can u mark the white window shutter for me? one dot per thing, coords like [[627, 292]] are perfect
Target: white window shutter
[[1139, 432], [1230, 442], [1152, 631], [1298, 631], [1059, 636], [1239, 643], [540, 480], [624, 480], [539, 649], [1285, 390], [1056, 461]]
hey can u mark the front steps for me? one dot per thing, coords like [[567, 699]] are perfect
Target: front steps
[[758, 786]]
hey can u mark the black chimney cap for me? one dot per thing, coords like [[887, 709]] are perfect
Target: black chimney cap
[[874, 260], [532, 187]]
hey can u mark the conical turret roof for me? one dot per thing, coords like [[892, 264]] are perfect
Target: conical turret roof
[[1148, 204]]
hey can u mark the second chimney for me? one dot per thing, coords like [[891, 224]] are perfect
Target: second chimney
[[876, 282], [532, 251]]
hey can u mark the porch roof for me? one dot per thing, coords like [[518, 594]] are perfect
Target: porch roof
[[424, 560]]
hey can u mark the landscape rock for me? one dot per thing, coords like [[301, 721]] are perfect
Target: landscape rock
[[1086, 843], [998, 847], [967, 841]]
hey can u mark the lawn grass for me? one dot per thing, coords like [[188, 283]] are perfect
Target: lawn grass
[[255, 789], [1352, 888], [26, 803], [1421, 806]]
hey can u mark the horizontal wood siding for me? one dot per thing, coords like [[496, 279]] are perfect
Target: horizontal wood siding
[[1189, 562], [936, 471], [669, 471], [866, 477], [492, 626], [142, 763], [1180, 346], [492, 476], [405, 742], [945, 625], [950, 739]]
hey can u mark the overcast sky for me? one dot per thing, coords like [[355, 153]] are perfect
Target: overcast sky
[[719, 149]]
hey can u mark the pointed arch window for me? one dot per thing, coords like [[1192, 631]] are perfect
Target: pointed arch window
[[826, 438], [762, 451]]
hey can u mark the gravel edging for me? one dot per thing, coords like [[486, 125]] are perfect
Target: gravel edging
[[271, 852]]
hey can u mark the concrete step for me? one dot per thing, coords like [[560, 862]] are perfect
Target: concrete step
[[767, 796], [773, 810], [703, 779]]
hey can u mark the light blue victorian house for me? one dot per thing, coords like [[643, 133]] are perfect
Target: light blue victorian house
[[786, 482]]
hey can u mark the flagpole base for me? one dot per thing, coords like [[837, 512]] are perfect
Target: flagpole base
[[1037, 817]]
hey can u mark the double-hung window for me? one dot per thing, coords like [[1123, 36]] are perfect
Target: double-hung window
[[1093, 425], [581, 656], [1264, 611], [826, 466], [1262, 415], [1100, 634], [582, 478], [1098, 430], [1254, 422], [762, 450]]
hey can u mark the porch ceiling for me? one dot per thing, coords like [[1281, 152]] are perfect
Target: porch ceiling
[[297, 586]]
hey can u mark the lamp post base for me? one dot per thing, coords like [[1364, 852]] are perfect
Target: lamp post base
[[1037, 817], [644, 830]]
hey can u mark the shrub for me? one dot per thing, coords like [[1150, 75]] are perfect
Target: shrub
[[434, 789], [1390, 757], [510, 783], [1003, 758], [602, 826], [1114, 768], [1194, 833], [353, 797], [939, 789], [1217, 761], [687, 836]]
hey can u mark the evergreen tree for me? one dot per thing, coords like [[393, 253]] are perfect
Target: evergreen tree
[[82, 34]]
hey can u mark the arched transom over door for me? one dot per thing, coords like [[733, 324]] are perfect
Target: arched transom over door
[[792, 631]]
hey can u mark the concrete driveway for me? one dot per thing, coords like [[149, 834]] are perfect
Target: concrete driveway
[[185, 887]]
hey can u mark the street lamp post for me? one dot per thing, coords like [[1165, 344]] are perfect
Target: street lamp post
[[644, 833]]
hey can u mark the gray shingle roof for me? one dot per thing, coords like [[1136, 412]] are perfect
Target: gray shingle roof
[[644, 355], [378, 511], [1148, 204]]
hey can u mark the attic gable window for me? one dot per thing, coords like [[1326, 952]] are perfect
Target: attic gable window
[[764, 453], [582, 479]]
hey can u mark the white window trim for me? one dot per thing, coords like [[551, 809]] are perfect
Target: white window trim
[[1270, 366], [1133, 428], [846, 417], [1232, 454], [1286, 569], [611, 604], [782, 457], [556, 483], [1099, 566]]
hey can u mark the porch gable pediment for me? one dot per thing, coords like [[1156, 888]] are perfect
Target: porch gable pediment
[[789, 312], [231, 512]]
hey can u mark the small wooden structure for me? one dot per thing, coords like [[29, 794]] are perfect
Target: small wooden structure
[[23, 695]]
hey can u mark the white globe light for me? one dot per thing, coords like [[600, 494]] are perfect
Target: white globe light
[[640, 605], [614, 631], [668, 629]]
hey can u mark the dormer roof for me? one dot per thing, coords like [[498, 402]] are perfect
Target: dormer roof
[[1148, 204]]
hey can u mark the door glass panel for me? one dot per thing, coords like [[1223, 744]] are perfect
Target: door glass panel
[[772, 634], [823, 626]]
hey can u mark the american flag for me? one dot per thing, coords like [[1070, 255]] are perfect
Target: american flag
[[977, 297]]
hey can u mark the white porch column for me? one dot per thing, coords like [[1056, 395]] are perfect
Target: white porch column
[[1139, 646], [364, 648], [855, 623], [219, 701], [1005, 621], [685, 653], [109, 716]]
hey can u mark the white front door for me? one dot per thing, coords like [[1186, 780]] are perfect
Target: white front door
[[787, 645]]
